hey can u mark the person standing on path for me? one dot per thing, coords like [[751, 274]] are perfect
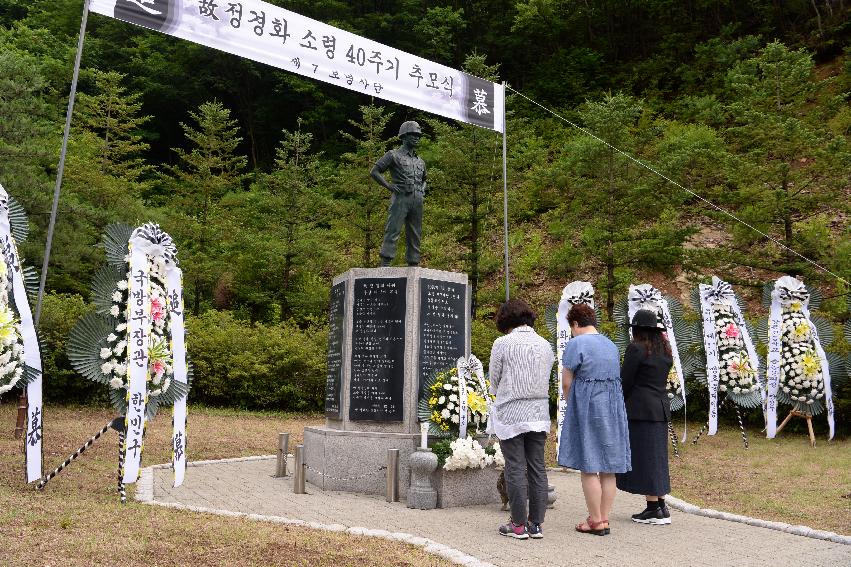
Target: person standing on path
[[408, 172], [594, 436], [520, 365], [644, 376]]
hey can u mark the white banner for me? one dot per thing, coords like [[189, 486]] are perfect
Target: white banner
[[266, 33], [573, 293], [463, 369], [710, 348], [32, 352], [772, 371], [645, 296], [825, 369], [138, 339], [178, 353]]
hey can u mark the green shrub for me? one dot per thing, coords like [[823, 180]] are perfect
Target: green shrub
[[59, 313], [257, 366]]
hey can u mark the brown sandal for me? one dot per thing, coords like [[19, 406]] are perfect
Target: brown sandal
[[594, 527]]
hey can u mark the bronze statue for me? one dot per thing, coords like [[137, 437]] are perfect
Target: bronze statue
[[408, 172]]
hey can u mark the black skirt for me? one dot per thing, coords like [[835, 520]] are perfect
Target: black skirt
[[648, 442]]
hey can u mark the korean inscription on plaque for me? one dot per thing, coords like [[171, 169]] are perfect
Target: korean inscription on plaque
[[335, 350], [443, 326], [378, 349]]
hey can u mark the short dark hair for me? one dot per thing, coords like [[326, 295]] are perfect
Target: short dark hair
[[583, 315], [514, 313]]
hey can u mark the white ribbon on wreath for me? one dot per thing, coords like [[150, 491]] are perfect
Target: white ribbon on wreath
[[645, 296], [573, 293], [32, 352], [174, 282], [138, 339]]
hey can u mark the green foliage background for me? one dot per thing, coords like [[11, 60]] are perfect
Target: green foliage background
[[262, 176]]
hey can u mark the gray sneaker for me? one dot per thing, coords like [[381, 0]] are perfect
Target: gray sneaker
[[517, 531]]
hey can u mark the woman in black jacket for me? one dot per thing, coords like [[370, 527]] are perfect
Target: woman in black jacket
[[644, 376]]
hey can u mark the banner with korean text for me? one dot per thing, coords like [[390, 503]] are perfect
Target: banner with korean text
[[266, 33]]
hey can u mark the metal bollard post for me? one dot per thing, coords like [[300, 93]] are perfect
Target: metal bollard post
[[298, 481], [392, 475], [283, 449]]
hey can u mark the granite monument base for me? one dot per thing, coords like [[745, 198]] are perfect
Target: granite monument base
[[356, 461]]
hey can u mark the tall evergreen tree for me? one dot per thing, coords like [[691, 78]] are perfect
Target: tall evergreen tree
[[208, 171]]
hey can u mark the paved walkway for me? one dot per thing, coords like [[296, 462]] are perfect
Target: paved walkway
[[248, 487]]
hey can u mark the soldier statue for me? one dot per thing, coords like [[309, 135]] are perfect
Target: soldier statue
[[408, 172]]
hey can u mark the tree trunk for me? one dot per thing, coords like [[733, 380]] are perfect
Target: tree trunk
[[818, 18]]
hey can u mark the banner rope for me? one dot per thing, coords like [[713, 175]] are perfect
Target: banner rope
[[689, 191]]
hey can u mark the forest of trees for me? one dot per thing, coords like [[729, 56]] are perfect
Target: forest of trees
[[262, 177]]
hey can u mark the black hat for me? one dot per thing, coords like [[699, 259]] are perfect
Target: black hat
[[646, 319]]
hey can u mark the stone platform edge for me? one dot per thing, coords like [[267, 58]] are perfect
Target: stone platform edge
[[145, 494], [683, 506]]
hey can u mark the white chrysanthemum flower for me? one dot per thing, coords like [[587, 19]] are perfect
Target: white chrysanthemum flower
[[445, 414], [441, 400], [106, 368], [121, 369], [105, 353], [116, 383], [447, 386], [450, 406], [114, 311], [456, 419], [111, 338], [722, 387], [116, 296], [737, 390], [122, 284], [453, 398], [121, 327]]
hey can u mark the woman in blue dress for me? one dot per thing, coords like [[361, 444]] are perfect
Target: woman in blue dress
[[594, 436]]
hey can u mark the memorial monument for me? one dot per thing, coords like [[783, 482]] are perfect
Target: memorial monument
[[389, 329]]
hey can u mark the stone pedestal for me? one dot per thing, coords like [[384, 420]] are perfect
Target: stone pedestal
[[422, 494], [389, 329], [467, 487]]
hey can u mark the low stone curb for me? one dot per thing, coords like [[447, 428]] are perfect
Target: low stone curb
[[145, 494], [684, 506]]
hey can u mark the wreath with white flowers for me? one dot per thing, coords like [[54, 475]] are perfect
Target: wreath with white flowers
[[98, 346], [14, 372], [739, 372], [440, 404], [669, 314], [806, 371]]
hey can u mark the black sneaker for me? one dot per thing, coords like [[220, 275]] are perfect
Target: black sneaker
[[534, 530], [654, 516], [666, 513]]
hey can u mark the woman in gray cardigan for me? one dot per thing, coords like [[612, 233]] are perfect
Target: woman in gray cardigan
[[520, 366]]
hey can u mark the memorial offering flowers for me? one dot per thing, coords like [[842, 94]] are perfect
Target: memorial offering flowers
[[100, 346], [14, 372], [467, 454], [11, 343], [801, 372], [440, 405], [737, 373]]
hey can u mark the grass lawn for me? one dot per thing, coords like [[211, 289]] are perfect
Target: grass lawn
[[77, 520], [783, 480]]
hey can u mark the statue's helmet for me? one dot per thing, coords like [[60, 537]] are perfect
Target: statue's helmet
[[409, 127]]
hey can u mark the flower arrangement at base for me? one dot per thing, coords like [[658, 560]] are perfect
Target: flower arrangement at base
[[440, 404], [100, 347], [467, 453], [805, 374], [11, 343], [722, 340]]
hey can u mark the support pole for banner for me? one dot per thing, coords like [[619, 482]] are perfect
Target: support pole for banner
[[61, 169], [505, 192]]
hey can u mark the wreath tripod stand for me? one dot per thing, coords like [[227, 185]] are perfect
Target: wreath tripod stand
[[118, 425], [738, 417]]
